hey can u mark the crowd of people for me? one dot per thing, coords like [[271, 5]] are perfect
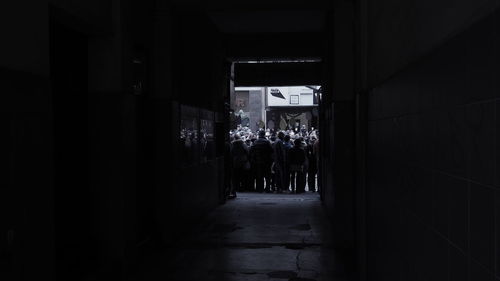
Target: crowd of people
[[274, 161]]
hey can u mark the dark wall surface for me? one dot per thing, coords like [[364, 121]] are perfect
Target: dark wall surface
[[432, 182], [69, 122], [26, 193], [189, 72], [401, 32]]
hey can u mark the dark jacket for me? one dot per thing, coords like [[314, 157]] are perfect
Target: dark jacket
[[279, 153], [311, 156], [297, 156], [239, 153], [261, 152]]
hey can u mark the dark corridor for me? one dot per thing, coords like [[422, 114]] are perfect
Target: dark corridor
[[98, 96]]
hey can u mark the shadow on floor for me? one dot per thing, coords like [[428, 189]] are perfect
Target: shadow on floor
[[257, 237]]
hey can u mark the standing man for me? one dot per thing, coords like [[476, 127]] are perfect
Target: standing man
[[317, 153], [261, 160], [241, 165], [287, 144], [279, 162], [297, 161], [312, 169], [230, 192]]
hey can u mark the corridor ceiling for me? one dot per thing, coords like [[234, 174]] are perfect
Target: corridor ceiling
[[263, 16], [269, 21], [269, 30]]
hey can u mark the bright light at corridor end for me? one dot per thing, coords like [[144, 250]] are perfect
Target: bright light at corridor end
[[287, 96]]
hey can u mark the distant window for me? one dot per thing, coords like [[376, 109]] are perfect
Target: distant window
[[294, 99]]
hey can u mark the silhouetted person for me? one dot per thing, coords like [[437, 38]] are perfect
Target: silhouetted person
[[230, 192], [261, 159], [279, 162], [313, 168], [316, 151], [241, 165], [287, 144], [273, 177], [303, 179], [297, 161]]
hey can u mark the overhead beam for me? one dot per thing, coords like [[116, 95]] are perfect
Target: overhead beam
[[277, 74], [260, 46]]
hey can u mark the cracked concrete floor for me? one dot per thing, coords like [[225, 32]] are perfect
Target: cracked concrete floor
[[259, 237]]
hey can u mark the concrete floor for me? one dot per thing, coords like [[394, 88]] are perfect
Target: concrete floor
[[258, 237]]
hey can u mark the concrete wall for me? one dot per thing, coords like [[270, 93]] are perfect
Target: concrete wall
[[26, 202], [28, 191], [432, 182], [189, 69], [132, 198], [337, 115], [401, 32]]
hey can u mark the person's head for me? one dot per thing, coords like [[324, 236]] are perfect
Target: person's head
[[237, 136], [297, 142], [281, 135], [262, 134], [287, 138]]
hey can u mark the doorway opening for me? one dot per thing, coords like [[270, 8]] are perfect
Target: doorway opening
[[273, 134]]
